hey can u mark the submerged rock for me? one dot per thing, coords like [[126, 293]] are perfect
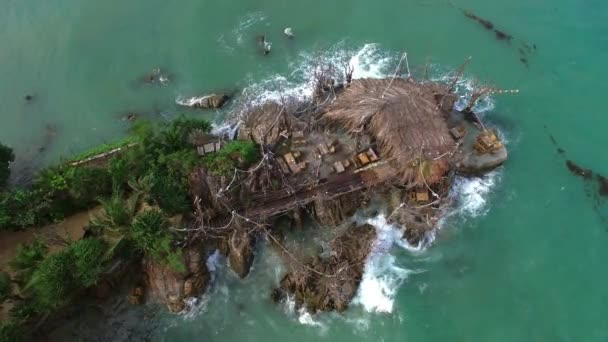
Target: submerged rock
[[330, 283]]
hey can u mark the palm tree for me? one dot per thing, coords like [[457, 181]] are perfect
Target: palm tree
[[142, 188], [197, 137]]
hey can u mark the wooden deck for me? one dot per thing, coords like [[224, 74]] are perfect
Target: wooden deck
[[278, 202]]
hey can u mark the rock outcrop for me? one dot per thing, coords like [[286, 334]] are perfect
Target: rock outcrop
[[241, 252], [212, 101], [327, 284], [477, 164], [414, 221], [165, 285]]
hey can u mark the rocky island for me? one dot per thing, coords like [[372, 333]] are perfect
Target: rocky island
[[177, 194]]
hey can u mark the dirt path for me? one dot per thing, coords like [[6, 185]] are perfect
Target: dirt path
[[70, 228]]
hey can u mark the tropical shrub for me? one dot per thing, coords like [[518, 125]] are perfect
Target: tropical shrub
[[150, 233], [88, 256], [86, 185], [23, 208], [117, 214], [6, 158], [170, 193], [118, 168], [53, 281], [28, 257], [236, 154], [5, 285], [61, 274], [10, 332]]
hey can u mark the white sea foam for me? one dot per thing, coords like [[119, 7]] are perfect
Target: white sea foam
[[225, 128], [246, 23], [191, 101], [471, 194], [464, 88], [213, 261], [302, 315], [368, 61], [371, 62], [382, 276], [197, 305]]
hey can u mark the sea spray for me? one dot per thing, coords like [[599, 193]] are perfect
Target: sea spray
[[197, 305], [464, 88], [368, 61], [225, 128], [470, 195], [192, 101], [371, 62], [382, 276]]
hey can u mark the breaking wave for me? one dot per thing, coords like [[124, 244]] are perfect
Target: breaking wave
[[367, 62], [471, 194], [196, 305], [382, 276], [192, 101]]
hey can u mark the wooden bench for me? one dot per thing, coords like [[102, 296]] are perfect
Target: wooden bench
[[372, 155], [363, 158], [283, 166], [339, 167], [294, 166]]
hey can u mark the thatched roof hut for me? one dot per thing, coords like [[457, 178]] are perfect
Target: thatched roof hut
[[403, 117], [266, 122]]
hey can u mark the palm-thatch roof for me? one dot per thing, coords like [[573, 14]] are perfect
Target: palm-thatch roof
[[266, 122], [402, 116]]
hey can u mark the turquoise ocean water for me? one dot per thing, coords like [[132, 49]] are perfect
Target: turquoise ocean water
[[522, 257]]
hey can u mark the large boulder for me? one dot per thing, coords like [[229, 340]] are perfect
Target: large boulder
[[165, 285], [326, 284], [240, 252], [212, 101], [475, 163]]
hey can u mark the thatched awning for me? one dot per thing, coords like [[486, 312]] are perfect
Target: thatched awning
[[266, 122], [403, 118]]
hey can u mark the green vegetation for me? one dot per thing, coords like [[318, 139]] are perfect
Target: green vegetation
[[5, 285], [164, 154], [88, 256], [236, 154], [103, 148], [10, 332], [54, 194], [6, 158], [55, 278], [27, 259], [139, 189], [170, 193], [150, 232], [53, 281]]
